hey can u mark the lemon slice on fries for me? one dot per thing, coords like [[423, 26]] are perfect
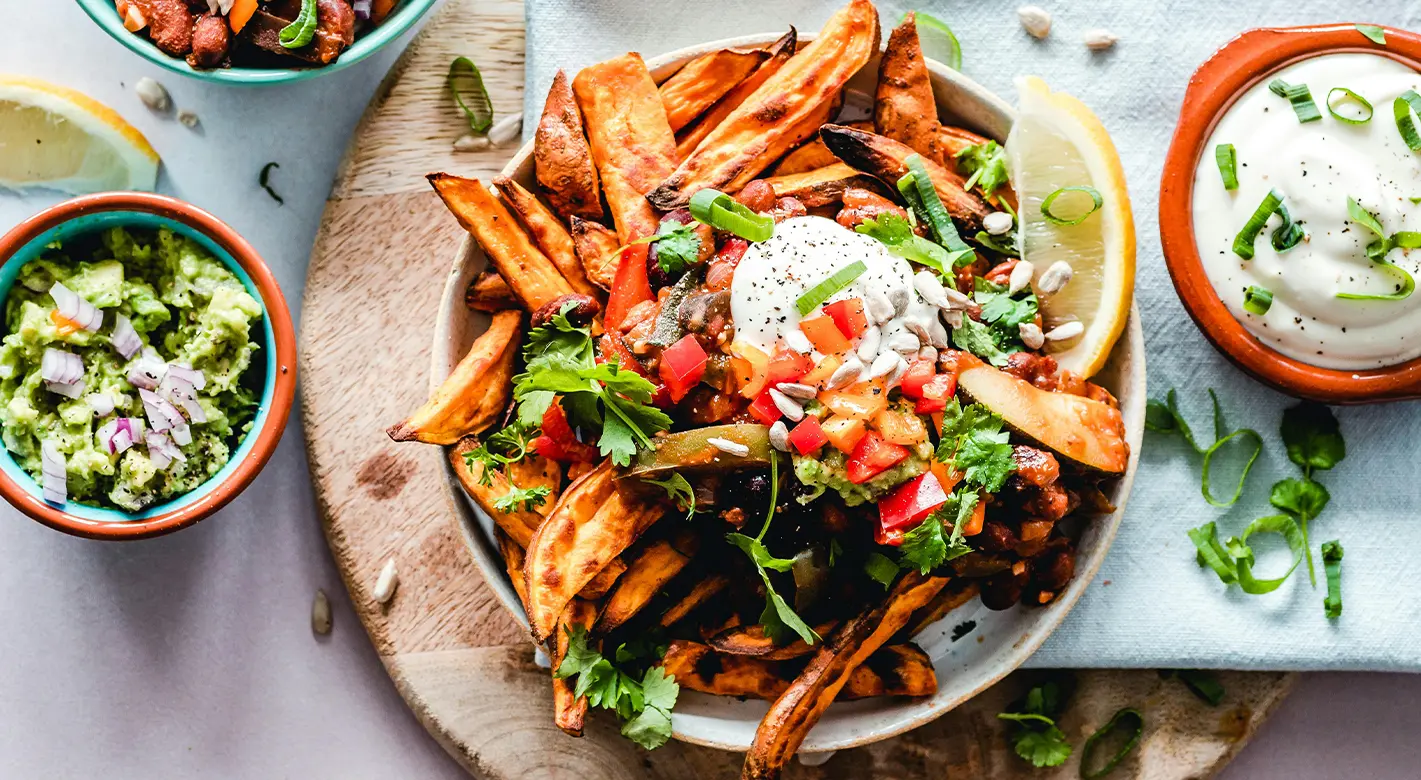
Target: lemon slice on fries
[[56, 138], [1057, 146]]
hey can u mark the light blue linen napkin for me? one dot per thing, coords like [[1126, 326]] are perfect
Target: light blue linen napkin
[[1151, 605]]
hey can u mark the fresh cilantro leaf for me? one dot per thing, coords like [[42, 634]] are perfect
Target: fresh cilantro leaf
[[1004, 314], [678, 490], [974, 443], [1301, 497], [650, 728], [560, 338], [1038, 740], [527, 498], [758, 553], [499, 449], [896, 233], [677, 246], [977, 338], [927, 547], [986, 164], [660, 689], [532, 405], [881, 569], [1313, 437], [645, 706], [617, 399], [579, 657], [778, 618]]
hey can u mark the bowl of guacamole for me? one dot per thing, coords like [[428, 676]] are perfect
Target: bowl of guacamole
[[146, 365]]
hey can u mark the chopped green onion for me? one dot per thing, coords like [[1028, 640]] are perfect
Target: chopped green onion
[[1348, 95], [1165, 418], [995, 244], [937, 217], [1377, 252], [881, 569], [1243, 242], [1332, 564], [1227, 158], [1283, 525], [1299, 96], [464, 77], [302, 29], [1128, 718], [821, 292], [1257, 300], [1289, 233], [1402, 108], [1374, 33], [1212, 553], [722, 212], [1096, 202], [1203, 684], [264, 179], [1364, 218], [937, 41]]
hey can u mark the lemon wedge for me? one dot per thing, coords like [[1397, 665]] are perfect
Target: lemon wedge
[[1056, 143], [56, 138]]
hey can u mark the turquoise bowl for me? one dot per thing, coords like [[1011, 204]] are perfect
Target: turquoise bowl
[[91, 214], [403, 18]]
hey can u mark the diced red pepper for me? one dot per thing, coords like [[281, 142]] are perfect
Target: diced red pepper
[[558, 441], [872, 456], [935, 394], [787, 366], [764, 409], [908, 506], [893, 538], [849, 316], [919, 372], [661, 398], [629, 287], [824, 335], [807, 436], [732, 250], [682, 366]]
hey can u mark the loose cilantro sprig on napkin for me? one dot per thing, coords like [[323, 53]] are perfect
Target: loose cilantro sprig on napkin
[[778, 618], [1037, 739], [643, 703]]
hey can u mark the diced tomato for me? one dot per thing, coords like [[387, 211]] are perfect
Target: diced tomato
[[682, 366], [62, 324], [732, 250], [935, 394], [849, 316], [821, 372], [558, 441], [900, 426], [872, 456], [613, 346], [764, 409], [748, 367], [909, 504], [824, 335], [629, 287], [787, 366], [844, 432], [919, 372], [807, 436], [862, 401]]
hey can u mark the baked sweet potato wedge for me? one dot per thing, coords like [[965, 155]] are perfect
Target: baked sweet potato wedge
[[785, 110], [752, 641], [883, 158], [645, 577], [699, 594], [795, 712], [596, 248], [951, 140], [704, 80], [490, 293], [533, 277], [589, 527], [563, 158], [812, 154], [602, 583], [957, 593], [822, 186], [897, 670], [547, 231], [475, 393], [632, 143], [569, 711], [513, 556], [903, 106], [532, 471], [777, 55]]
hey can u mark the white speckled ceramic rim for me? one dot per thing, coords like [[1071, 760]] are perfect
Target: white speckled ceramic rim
[[964, 669]]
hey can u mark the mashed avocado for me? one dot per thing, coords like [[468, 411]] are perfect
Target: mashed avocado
[[187, 308], [827, 472]]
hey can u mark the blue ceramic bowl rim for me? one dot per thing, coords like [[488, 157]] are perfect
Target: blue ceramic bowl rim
[[105, 14]]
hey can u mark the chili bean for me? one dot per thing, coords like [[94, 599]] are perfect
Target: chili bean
[[582, 313]]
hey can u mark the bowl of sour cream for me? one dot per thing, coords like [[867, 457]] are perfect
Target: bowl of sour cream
[[1290, 209]]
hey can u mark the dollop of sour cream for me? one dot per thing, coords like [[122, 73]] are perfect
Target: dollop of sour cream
[[1317, 166], [803, 252]]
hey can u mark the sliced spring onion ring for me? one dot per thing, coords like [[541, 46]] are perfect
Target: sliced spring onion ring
[[1374, 33], [821, 292], [995, 244], [464, 77], [1257, 300], [936, 214], [1348, 95], [1283, 525], [1212, 553], [722, 212], [1243, 242], [1377, 252], [1288, 234], [1096, 202], [1300, 96], [1332, 564], [302, 29], [1128, 718], [1227, 158], [1402, 108], [938, 41]]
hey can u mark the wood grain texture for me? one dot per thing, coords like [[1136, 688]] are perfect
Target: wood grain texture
[[462, 664]]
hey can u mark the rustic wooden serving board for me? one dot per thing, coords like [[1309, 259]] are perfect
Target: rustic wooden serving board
[[463, 665]]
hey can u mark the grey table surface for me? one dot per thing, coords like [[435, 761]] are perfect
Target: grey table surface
[[192, 656]]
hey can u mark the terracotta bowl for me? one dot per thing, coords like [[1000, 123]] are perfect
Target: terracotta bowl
[[1242, 62], [1000, 641], [276, 360]]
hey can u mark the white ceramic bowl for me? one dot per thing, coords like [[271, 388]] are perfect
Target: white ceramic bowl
[[1000, 642]]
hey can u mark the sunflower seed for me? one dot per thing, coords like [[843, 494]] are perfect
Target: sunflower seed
[[846, 374], [902, 341], [321, 613], [506, 130], [900, 298], [1100, 39], [872, 340], [884, 364], [919, 330], [1035, 20], [928, 353], [728, 447], [188, 118], [931, 289], [955, 299], [469, 142], [1031, 335], [779, 436], [386, 583], [1020, 277], [1065, 331], [787, 406], [797, 341], [153, 95], [1057, 275], [998, 223], [953, 319], [896, 375], [937, 334], [880, 309], [798, 391]]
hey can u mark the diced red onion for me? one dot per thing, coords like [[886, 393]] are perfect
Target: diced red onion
[[162, 451], [181, 434], [68, 391], [117, 435], [187, 374], [61, 367], [101, 403], [86, 315], [124, 339], [147, 371], [161, 414], [362, 9], [55, 477]]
